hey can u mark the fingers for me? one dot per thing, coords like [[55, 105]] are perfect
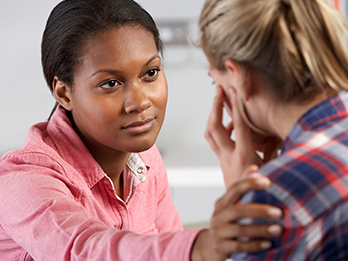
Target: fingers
[[228, 106], [209, 247], [214, 120], [226, 232], [217, 110], [233, 213], [255, 231], [216, 133], [232, 246], [228, 238], [229, 128], [239, 188]]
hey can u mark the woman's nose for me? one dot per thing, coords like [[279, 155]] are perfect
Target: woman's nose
[[137, 99]]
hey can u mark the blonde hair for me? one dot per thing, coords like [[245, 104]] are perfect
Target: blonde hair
[[300, 46]]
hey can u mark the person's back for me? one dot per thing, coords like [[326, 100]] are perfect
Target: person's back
[[281, 70], [310, 183]]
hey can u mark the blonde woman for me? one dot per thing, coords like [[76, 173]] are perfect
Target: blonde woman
[[281, 70]]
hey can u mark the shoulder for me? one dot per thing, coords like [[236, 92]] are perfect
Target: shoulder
[[309, 183], [28, 159], [38, 156], [38, 144], [38, 150], [25, 174], [23, 170]]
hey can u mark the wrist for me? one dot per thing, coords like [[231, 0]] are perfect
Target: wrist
[[198, 245]]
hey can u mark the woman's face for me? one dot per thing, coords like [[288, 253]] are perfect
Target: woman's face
[[119, 95]]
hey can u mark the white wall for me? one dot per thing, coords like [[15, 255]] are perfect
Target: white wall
[[24, 97]]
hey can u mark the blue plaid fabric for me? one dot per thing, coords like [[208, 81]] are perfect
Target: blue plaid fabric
[[310, 184]]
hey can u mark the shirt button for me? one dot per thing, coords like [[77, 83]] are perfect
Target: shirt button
[[106, 181], [140, 170]]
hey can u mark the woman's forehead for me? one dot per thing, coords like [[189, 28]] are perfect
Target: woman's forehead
[[116, 48]]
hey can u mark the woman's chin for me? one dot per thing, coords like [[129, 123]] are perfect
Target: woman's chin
[[142, 147]]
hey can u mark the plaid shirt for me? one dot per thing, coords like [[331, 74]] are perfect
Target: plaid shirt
[[310, 184]]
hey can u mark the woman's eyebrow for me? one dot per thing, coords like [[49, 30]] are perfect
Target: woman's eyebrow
[[151, 59], [111, 71]]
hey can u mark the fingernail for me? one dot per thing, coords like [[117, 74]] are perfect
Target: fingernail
[[254, 167], [275, 213], [274, 230], [265, 245], [263, 182]]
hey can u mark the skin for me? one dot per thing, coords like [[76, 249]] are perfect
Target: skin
[[118, 103], [264, 110]]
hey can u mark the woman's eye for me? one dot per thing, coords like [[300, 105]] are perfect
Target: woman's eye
[[109, 84], [151, 73]]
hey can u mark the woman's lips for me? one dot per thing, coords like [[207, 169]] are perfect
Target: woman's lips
[[139, 126]]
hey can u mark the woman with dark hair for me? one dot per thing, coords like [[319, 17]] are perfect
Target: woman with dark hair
[[89, 184]]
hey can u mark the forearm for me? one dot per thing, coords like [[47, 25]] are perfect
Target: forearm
[[125, 245]]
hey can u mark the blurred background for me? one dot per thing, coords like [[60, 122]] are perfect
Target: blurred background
[[193, 170]]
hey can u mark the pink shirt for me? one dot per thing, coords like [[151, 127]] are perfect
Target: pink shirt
[[58, 204]]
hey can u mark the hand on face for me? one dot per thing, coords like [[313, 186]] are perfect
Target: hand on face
[[235, 156], [268, 145], [221, 239]]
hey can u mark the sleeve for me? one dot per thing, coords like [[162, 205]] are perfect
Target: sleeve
[[39, 212], [324, 238], [165, 222], [159, 188]]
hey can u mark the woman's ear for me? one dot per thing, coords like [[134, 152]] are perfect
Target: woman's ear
[[62, 92], [240, 77]]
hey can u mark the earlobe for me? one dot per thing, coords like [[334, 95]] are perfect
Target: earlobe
[[62, 93]]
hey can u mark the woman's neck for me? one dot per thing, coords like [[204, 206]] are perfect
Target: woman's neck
[[110, 160], [113, 165], [283, 116]]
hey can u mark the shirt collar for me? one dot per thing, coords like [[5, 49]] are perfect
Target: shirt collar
[[321, 115], [137, 166], [72, 149]]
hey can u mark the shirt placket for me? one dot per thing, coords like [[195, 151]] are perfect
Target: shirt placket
[[117, 205], [138, 175]]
